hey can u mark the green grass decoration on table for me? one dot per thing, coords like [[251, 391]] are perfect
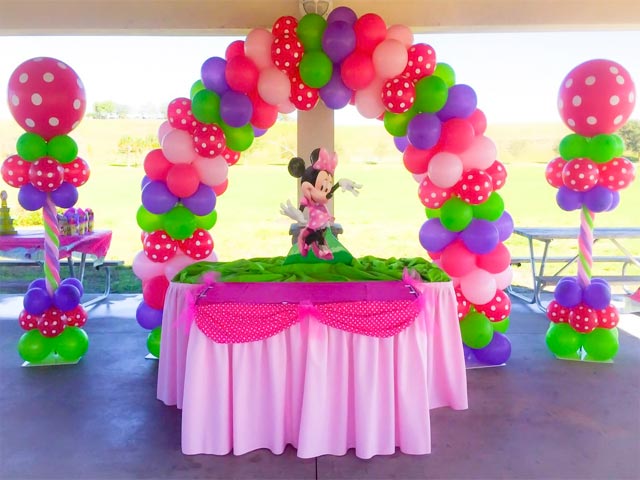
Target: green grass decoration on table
[[340, 252]]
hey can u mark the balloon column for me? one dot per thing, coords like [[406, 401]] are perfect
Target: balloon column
[[47, 99], [342, 60], [595, 100]]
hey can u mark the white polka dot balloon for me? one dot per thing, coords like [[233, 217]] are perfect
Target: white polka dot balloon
[[46, 97], [596, 97]]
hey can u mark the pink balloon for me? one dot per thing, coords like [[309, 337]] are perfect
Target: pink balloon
[[369, 101], [401, 33], [479, 286], [286, 107], [445, 169], [390, 58], [481, 154], [274, 86], [144, 268], [418, 177], [177, 146], [504, 278], [165, 127], [212, 171], [257, 46], [174, 266], [357, 70], [183, 180], [456, 260]]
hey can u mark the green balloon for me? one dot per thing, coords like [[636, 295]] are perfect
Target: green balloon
[[432, 212], [72, 343], [601, 344], [309, 31], [63, 148], [396, 123], [195, 88], [153, 341], [431, 94], [147, 221], [603, 147], [573, 146], [316, 69], [34, 347], [491, 209], [238, 139], [179, 222], [31, 147], [207, 222], [206, 106], [476, 330], [455, 214], [446, 73], [563, 340], [502, 326]]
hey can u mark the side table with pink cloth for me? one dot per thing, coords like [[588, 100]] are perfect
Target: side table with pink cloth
[[312, 382]]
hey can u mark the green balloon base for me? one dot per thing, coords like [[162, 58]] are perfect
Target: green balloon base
[[340, 253], [53, 359], [151, 356]]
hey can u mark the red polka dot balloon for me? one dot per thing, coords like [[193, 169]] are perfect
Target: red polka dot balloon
[[46, 174], [553, 172], [286, 53], [77, 172], [398, 94], [51, 323], [303, 96], [580, 174], [27, 320], [199, 245], [463, 304], [596, 97], [557, 313], [285, 25], [616, 174], [608, 317], [474, 187], [498, 308], [76, 317], [498, 174], [15, 171], [431, 195], [230, 156], [209, 141], [421, 62], [46, 97], [180, 115], [583, 319], [159, 246]]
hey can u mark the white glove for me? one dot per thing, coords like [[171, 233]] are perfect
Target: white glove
[[292, 212], [349, 186]]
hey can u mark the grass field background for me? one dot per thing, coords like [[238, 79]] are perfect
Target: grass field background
[[383, 220]]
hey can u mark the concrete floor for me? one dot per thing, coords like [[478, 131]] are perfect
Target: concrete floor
[[537, 417]]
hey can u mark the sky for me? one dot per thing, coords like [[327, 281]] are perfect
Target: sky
[[516, 76]]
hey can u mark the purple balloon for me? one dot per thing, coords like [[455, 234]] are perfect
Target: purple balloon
[[568, 200], [338, 40], [496, 352], [597, 295], [202, 202], [504, 225], [342, 14], [568, 293], [66, 297], [147, 317], [424, 130], [30, 198], [212, 74], [615, 201], [38, 283], [461, 103], [401, 143], [36, 301], [434, 237], [258, 132], [65, 196], [598, 199], [236, 108], [481, 236], [144, 182], [335, 94], [75, 282], [157, 198]]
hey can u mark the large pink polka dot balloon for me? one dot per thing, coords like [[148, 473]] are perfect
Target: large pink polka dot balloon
[[46, 97], [596, 97]]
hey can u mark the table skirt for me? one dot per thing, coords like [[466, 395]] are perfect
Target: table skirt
[[320, 389]]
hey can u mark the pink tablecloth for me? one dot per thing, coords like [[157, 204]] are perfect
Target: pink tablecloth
[[28, 243], [320, 389]]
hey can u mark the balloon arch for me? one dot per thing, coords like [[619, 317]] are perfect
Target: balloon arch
[[341, 60]]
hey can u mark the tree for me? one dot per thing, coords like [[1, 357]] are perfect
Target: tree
[[630, 133], [106, 109]]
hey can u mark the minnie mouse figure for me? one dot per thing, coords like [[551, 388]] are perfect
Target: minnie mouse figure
[[317, 188]]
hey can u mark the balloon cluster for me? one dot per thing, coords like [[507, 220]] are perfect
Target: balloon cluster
[[595, 99], [47, 99]]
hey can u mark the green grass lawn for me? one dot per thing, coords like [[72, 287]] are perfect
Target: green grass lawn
[[382, 221]]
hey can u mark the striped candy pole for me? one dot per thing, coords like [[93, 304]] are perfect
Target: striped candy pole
[[51, 246], [585, 244]]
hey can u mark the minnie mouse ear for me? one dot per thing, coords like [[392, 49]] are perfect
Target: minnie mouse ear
[[314, 156], [296, 167]]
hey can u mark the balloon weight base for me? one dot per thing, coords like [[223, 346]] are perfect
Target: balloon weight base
[[51, 361], [581, 356], [472, 363], [150, 356]]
